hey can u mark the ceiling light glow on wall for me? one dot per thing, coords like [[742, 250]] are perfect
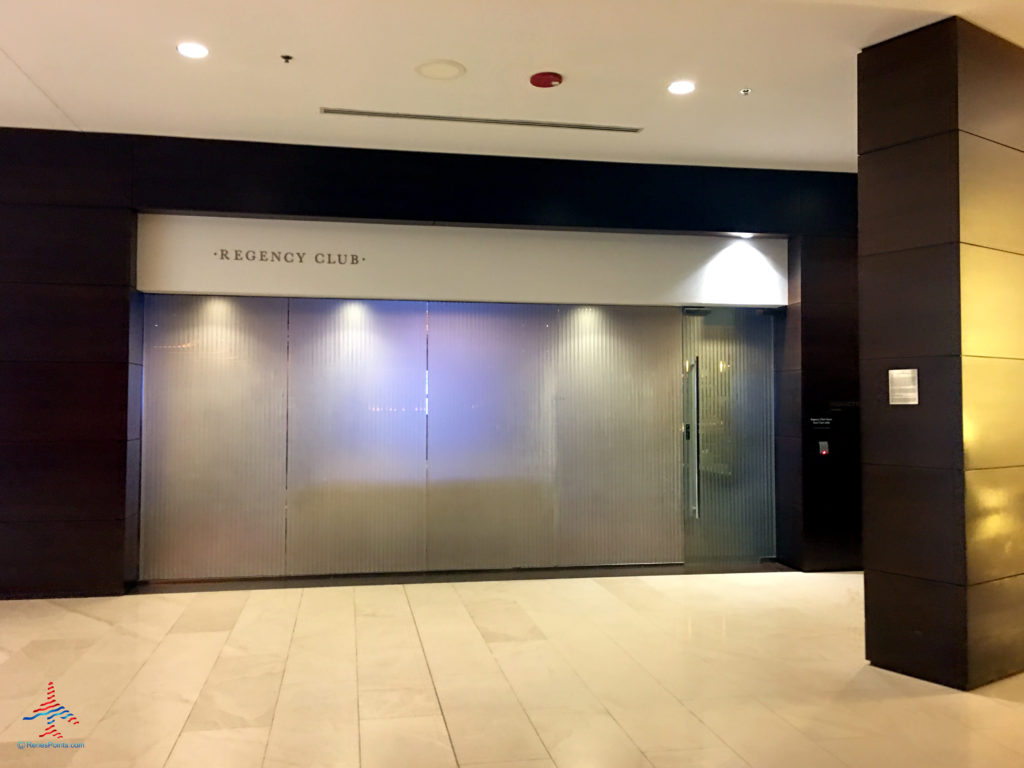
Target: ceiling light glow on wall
[[193, 50], [681, 87]]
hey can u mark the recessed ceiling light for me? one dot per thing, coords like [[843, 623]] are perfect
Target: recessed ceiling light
[[680, 87], [193, 50], [441, 69], [744, 235]]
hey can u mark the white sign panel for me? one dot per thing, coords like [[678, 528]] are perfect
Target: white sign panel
[[259, 257], [903, 386]]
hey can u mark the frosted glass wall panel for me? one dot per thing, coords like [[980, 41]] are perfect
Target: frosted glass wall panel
[[356, 436], [736, 471], [491, 496], [213, 443], [617, 420]]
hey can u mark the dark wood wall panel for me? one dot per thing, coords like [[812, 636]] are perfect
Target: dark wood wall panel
[[818, 497], [991, 86], [63, 401], [913, 522], [282, 180], [789, 500], [994, 503], [789, 403], [66, 245], [907, 88], [944, 480], [830, 349], [66, 480], [65, 168], [925, 435], [911, 302], [995, 628], [991, 194], [70, 323], [916, 627], [61, 557], [66, 266], [70, 334], [788, 351], [909, 196]]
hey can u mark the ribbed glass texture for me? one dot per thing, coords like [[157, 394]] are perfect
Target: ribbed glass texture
[[313, 436], [733, 353], [491, 436], [356, 436], [213, 442], [617, 417]]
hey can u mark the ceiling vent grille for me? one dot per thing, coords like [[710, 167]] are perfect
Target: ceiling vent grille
[[481, 120]]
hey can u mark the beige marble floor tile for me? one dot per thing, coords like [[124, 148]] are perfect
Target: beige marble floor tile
[[542, 678], [822, 717], [437, 595], [394, 668], [974, 711], [613, 676], [89, 686], [25, 621], [1009, 736], [405, 741], [142, 725], [1009, 691], [241, 692], [586, 740], [879, 752], [265, 624], [212, 612], [698, 758], [451, 640], [229, 748], [771, 664], [140, 732], [665, 729], [11, 756], [759, 736], [501, 619], [25, 674], [325, 620], [319, 698], [377, 633], [316, 725], [304, 665], [493, 735], [476, 692], [382, 601], [242, 688], [454, 656], [398, 702], [149, 616]]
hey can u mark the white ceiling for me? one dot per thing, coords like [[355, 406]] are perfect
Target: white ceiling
[[110, 65]]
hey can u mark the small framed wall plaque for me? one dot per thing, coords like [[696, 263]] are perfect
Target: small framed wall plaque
[[903, 386]]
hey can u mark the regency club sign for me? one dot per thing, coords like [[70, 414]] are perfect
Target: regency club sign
[[298, 258], [289, 257]]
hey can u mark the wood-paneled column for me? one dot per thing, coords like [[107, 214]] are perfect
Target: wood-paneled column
[[70, 366], [941, 193]]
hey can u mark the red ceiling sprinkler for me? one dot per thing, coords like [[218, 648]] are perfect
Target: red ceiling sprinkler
[[545, 79]]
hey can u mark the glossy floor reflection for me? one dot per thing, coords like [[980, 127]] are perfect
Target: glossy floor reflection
[[723, 671]]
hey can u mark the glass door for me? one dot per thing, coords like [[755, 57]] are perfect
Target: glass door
[[728, 435]]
